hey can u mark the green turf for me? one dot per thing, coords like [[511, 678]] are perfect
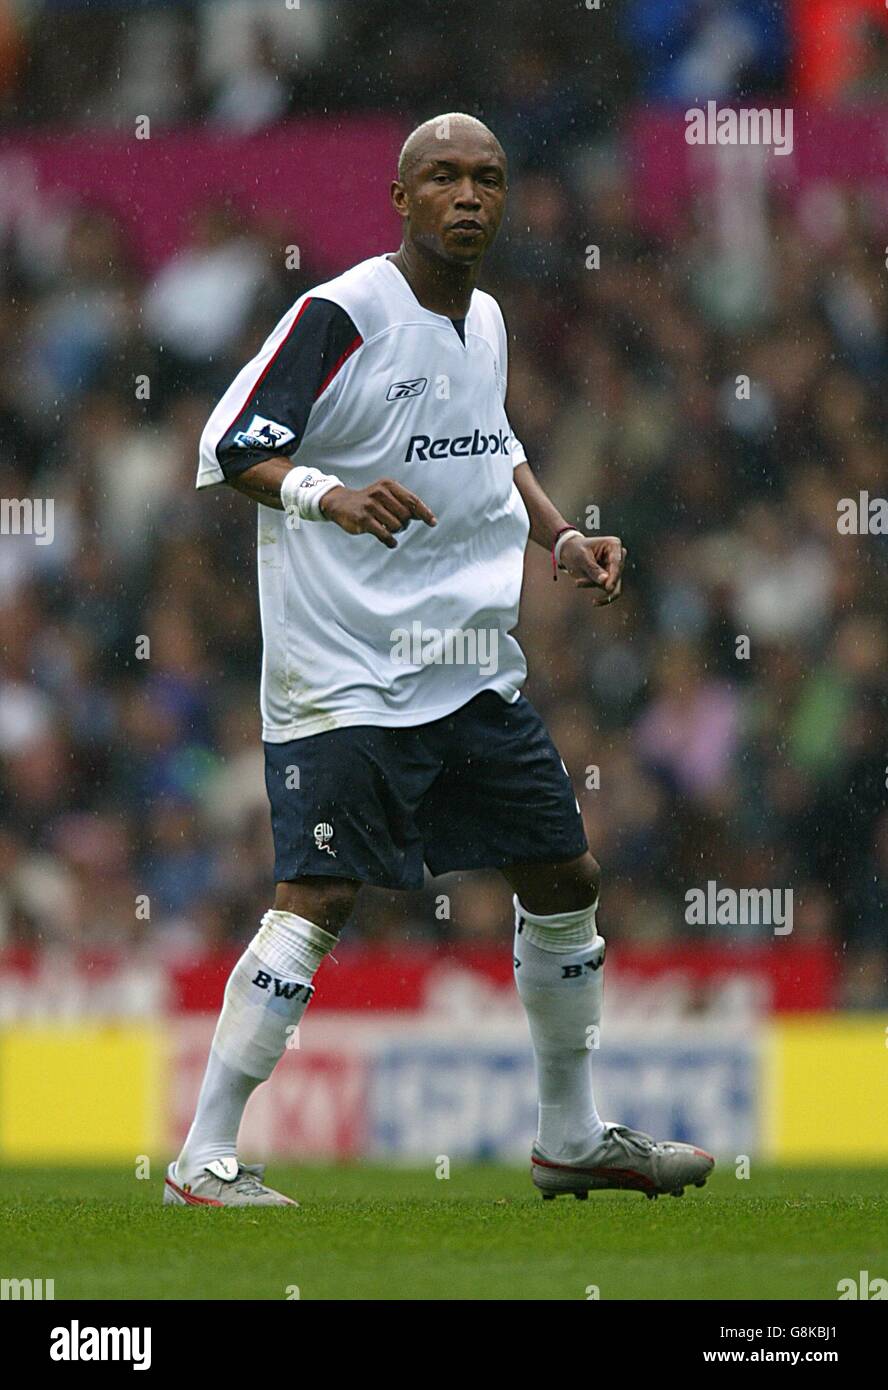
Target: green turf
[[388, 1233]]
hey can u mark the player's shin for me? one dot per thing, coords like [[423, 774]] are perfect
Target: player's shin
[[559, 973], [266, 995]]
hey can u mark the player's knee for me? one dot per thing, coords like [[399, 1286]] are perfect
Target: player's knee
[[327, 902], [553, 888], [583, 881]]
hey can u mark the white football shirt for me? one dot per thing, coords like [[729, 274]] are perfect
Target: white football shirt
[[358, 379]]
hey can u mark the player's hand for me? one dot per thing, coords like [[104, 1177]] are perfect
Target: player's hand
[[378, 510], [596, 562]]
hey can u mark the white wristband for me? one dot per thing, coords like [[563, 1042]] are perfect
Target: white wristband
[[302, 490], [560, 542]]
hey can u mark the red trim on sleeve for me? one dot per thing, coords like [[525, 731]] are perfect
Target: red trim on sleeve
[[267, 368], [352, 347]]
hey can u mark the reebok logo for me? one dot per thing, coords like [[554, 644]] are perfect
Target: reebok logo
[[423, 447], [404, 390], [284, 989]]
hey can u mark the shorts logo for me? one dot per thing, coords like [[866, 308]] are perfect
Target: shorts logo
[[264, 434], [322, 833], [403, 390]]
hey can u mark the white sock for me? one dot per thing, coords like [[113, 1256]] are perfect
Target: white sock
[[266, 995], [559, 970]]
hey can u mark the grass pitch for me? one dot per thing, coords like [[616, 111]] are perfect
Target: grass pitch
[[366, 1232]]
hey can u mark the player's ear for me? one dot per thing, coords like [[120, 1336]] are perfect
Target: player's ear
[[399, 197]]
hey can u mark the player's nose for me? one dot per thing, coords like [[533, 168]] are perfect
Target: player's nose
[[466, 196]]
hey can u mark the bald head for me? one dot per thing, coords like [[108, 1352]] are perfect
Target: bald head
[[427, 139], [451, 190]]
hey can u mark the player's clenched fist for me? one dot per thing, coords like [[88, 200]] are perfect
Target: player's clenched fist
[[378, 510]]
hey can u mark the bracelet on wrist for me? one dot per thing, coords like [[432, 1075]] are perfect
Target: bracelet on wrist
[[560, 537]]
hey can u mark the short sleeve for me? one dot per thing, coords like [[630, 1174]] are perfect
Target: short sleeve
[[265, 411]]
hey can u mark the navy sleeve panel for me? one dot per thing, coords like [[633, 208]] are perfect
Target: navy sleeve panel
[[272, 419]]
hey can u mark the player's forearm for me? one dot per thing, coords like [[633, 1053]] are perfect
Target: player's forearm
[[262, 482], [545, 518]]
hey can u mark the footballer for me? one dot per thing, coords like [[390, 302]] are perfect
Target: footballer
[[393, 497]]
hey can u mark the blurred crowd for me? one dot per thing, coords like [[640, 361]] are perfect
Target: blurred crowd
[[562, 70], [725, 721]]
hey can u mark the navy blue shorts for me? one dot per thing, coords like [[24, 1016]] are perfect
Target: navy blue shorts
[[482, 788]]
